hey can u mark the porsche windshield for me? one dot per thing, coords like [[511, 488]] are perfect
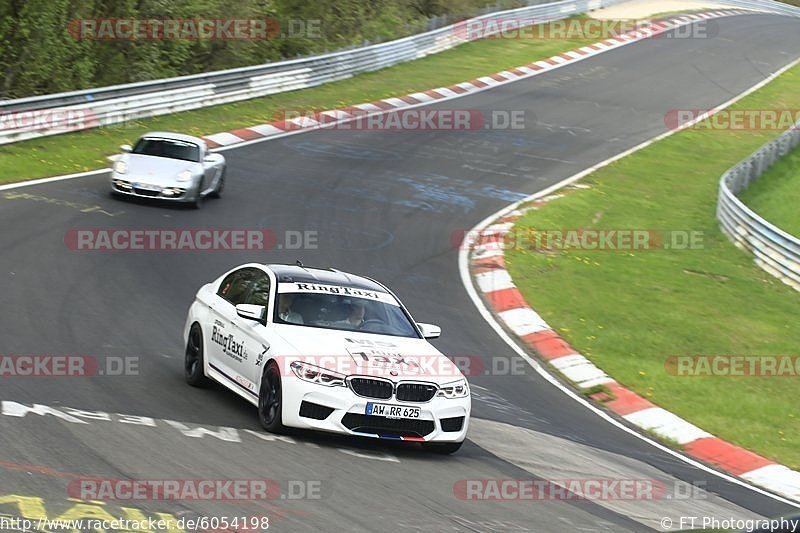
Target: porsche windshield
[[342, 308], [171, 149]]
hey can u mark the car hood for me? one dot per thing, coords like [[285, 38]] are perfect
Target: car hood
[[351, 353], [156, 170]]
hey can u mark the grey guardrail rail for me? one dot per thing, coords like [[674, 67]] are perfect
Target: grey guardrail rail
[[769, 6], [37, 116], [59, 113], [774, 250]]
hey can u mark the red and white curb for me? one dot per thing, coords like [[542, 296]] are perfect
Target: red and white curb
[[487, 267], [348, 114]]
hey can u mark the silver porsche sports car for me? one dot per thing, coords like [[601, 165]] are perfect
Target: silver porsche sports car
[[169, 166]]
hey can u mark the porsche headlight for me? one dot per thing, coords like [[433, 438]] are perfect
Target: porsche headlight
[[185, 175], [315, 374], [454, 389], [121, 167]]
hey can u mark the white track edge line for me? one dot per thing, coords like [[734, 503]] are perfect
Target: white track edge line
[[466, 280], [344, 121], [464, 268]]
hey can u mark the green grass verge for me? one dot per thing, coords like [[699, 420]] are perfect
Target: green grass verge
[[77, 152], [629, 311], [776, 194]]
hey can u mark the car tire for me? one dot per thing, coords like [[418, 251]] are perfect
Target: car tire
[[217, 192], [193, 360], [197, 203], [270, 399], [444, 448]]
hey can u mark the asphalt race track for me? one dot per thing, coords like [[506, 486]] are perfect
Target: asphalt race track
[[383, 204]]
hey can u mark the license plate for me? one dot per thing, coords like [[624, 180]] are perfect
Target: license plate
[[147, 187], [391, 411]]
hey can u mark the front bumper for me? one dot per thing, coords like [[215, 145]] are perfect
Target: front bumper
[[125, 184], [345, 413]]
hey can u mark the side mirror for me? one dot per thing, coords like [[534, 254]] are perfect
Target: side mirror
[[429, 331], [125, 147], [252, 312], [209, 158]]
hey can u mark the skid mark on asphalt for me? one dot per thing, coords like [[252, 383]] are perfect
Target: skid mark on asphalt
[[58, 202], [423, 482], [38, 469], [339, 236], [542, 158], [556, 458], [342, 150], [436, 193], [492, 401], [498, 439], [567, 77], [193, 431]]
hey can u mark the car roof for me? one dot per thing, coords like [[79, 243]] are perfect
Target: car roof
[[177, 136], [303, 274]]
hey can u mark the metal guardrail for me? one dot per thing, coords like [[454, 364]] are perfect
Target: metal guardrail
[[115, 104], [770, 6], [775, 251], [39, 115]]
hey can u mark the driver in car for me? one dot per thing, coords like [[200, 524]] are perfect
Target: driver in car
[[354, 318], [285, 311]]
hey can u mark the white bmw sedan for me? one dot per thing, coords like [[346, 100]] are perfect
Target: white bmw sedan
[[325, 350]]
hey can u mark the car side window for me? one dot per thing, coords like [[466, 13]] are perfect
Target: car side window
[[236, 285], [260, 293]]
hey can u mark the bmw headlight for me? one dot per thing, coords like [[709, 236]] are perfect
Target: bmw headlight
[[121, 167], [185, 175], [454, 389], [315, 374]]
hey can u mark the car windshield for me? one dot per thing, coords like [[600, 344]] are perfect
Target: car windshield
[[169, 148], [342, 308]]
